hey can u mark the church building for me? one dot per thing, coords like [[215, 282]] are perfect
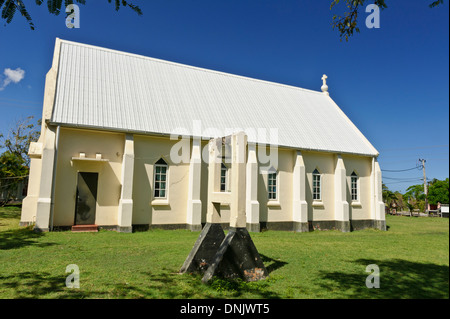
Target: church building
[[124, 146]]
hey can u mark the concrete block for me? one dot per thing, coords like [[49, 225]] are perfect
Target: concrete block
[[204, 250], [237, 257]]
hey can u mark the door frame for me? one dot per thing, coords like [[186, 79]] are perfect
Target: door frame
[[76, 195]]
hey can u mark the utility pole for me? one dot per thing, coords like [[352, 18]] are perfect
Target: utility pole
[[425, 188]]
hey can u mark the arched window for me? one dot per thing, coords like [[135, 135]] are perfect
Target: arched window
[[354, 181], [317, 185], [272, 188], [160, 182], [224, 178]]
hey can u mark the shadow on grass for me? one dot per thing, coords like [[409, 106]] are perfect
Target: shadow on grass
[[37, 285], [274, 263], [398, 279], [164, 285], [8, 212], [21, 237], [175, 285], [145, 285], [257, 289], [26, 285], [237, 288]]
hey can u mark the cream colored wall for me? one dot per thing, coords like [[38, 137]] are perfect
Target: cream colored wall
[[204, 184], [71, 143], [281, 209], [147, 210], [224, 209], [325, 163], [363, 168], [29, 203]]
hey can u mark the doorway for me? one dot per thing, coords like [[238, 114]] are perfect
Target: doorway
[[86, 199]]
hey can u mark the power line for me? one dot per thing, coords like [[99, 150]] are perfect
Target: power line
[[403, 179], [401, 170], [395, 162], [400, 178], [419, 180]]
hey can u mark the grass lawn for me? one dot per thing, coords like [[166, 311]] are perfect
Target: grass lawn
[[413, 258]]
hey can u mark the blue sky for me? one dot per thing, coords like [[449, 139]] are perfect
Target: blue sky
[[392, 82]]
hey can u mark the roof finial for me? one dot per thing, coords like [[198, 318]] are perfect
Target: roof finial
[[325, 86]]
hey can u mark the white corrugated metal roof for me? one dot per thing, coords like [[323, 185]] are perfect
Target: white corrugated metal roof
[[108, 89]]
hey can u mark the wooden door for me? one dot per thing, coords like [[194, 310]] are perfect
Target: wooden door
[[86, 198]]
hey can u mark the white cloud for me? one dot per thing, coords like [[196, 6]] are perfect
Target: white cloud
[[12, 76]]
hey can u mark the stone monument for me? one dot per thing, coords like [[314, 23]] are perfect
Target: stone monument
[[233, 255]]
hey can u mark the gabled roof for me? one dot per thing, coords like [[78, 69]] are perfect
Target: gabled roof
[[112, 90]]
